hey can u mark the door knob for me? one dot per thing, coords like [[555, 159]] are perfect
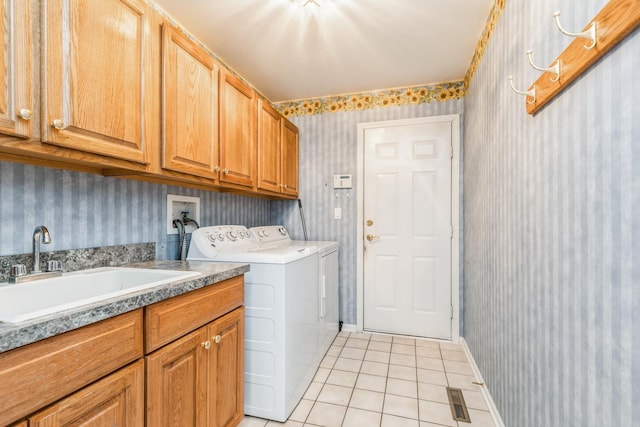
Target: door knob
[[371, 237], [369, 223], [57, 124], [25, 114]]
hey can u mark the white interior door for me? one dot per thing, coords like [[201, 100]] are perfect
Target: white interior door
[[407, 229]]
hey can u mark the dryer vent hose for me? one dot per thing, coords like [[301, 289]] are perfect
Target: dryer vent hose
[[304, 223]]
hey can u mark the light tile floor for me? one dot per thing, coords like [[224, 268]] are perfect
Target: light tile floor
[[369, 380]]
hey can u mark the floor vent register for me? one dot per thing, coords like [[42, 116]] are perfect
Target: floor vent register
[[458, 407]]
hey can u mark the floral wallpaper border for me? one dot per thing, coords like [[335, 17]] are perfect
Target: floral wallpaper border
[[369, 100], [492, 20], [400, 96]]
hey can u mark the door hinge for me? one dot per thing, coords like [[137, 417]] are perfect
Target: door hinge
[[452, 149], [452, 312], [451, 231]]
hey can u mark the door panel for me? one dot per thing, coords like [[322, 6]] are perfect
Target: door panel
[[177, 383], [407, 260], [269, 157], [237, 131], [18, 109], [98, 75], [190, 106]]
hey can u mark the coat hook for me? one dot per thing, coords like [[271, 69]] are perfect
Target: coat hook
[[530, 94], [587, 34], [555, 69]]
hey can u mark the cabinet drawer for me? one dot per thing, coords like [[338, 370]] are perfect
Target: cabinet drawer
[[170, 319], [117, 398], [40, 373]]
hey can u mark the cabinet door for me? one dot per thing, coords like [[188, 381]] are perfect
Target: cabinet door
[[97, 78], [117, 400], [289, 158], [226, 387], [177, 382], [18, 107], [237, 131], [269, 177], [189, 106]]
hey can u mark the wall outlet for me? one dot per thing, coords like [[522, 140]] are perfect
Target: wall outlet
[[176, 205], [337, 213]]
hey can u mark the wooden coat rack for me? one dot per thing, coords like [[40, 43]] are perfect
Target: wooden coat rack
[[612, 24]]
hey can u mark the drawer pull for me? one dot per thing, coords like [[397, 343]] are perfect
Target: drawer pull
[[206, 345], [217, 339]]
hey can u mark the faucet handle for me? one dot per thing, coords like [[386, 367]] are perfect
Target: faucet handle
[[53, 265], [18, 270]]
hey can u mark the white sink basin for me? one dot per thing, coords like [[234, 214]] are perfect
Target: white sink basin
[[29, 300]]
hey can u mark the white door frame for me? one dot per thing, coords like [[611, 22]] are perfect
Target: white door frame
[[454, 119]]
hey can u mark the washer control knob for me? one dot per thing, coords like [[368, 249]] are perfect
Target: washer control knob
[[212, 237], [232, 236], [220, 237], [282, 231]]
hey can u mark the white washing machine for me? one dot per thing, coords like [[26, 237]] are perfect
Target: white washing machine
[[328, 279], [281, 328]]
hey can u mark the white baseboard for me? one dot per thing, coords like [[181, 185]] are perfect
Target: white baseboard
[[493, 410], [348, 327]]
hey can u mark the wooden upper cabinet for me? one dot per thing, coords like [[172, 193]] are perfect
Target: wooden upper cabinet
[[277, 152], [189, 106], [269, 158], [237, 131], [290, 156], [97, 76], [19, 109]]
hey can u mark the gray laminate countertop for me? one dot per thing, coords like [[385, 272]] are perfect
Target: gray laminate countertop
[[14, 335]]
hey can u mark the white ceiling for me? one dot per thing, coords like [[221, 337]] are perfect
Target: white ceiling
[[288, 51]]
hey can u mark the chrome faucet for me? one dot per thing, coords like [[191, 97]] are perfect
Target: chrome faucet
[[54, 267], [46, 239]]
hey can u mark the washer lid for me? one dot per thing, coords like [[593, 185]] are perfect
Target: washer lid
[[323, 246], [279, 255]]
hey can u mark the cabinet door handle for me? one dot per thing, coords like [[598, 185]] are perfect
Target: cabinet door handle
[[217, 339], [225, 171], [216, 169], [206, 345], [25, 114], [57, 124]]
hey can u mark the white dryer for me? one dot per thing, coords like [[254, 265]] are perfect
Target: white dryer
[[328, 278], [281, 330]]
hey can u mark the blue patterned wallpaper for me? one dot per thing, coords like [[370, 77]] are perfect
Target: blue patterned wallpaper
[[328, 146], [552, 228], [84, 210]]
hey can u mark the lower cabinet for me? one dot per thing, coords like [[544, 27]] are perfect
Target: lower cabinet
[[197, 379], [226, 370], [116, 400], [187, 351]]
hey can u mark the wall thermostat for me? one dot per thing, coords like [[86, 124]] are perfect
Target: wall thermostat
[[342, 181]]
